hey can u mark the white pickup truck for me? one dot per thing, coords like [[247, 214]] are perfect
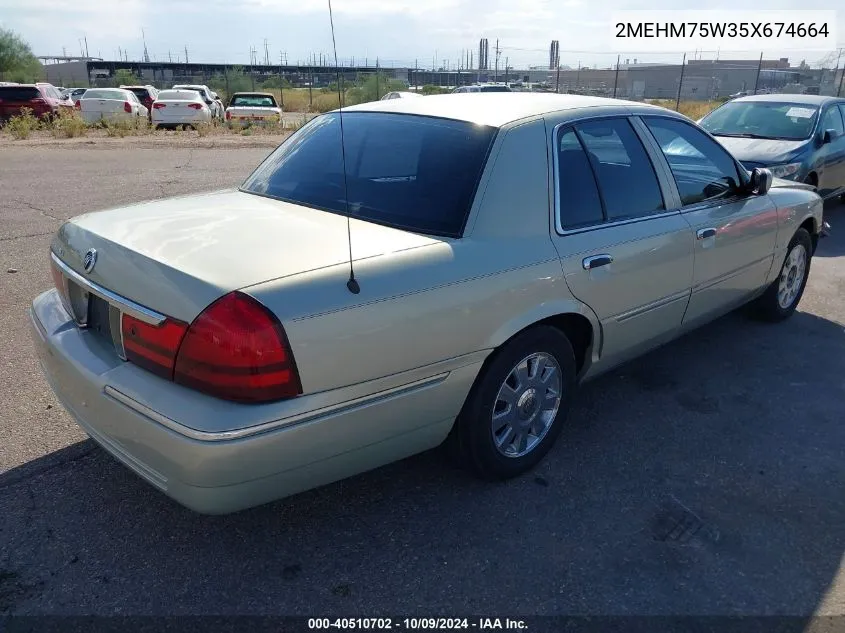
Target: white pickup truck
[[247, 108]]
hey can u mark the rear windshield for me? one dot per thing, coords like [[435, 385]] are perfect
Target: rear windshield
[[411, 172], [495, 89], [254, 101], [104, 94], [17, 93], [178, 95]]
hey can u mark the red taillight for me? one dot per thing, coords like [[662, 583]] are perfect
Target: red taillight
[[228, 115], [152, 347], [236, 349], [127, 107], [195, 106], [77, 105], [158, 106]]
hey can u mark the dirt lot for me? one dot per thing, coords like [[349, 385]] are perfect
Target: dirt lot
[[738, 427]]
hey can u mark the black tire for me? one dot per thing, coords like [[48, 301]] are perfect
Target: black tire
[[472, 441], [767, 307]]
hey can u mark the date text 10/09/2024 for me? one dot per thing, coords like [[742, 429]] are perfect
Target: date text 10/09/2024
[[431, 624]]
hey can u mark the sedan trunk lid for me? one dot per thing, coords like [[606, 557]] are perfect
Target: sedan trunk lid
[[178, 255]]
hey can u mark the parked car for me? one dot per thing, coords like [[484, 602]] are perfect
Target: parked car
[[41, 98], [73, 94], [798, 137], [146, 95], [482, 88], [475, 260], [253, 107], [174, 108], [214, 104], [398, 94], [110, 104]]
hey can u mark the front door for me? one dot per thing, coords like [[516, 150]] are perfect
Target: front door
[[622, 252], [832, 178], [734, 233]]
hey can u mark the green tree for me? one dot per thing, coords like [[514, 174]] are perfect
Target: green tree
[[430, 89], [123, 77], [17, 63]]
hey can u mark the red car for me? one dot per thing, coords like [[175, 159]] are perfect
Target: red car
[[42, 98], [146, 95]]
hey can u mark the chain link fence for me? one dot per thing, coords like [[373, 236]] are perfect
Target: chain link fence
[[692, 82]]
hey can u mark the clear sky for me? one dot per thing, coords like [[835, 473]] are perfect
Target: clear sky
[[397, 31]]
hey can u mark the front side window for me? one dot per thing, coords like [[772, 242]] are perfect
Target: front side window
[[412, 172], [625, 175], [833, 121], [702, 169]]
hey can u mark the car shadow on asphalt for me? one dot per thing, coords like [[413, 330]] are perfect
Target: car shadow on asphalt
[[833, 245], [704, 478]]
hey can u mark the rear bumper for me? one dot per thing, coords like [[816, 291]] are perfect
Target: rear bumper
[[220, 472]]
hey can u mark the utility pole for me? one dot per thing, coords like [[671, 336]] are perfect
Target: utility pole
[[169, 57], [496, 74], [757, 80], [281, 83], [578, 78], [85, 37], [616, 80], [416, 74], [557, 81], [186, 54], [378, 91], [681, 82], [146, 53], [506, 70]]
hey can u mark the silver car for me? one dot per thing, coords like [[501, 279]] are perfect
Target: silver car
[[451, 276]]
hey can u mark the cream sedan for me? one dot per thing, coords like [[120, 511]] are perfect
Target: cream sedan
[[451, 276]]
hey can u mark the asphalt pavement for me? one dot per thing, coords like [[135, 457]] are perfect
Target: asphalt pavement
[[703, 478]]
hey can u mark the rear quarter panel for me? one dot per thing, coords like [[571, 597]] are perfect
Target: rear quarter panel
[[447, 300]]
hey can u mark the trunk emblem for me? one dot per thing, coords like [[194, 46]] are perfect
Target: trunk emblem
[[90, 260]]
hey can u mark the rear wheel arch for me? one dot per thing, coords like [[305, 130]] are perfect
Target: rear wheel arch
[[578, 324]]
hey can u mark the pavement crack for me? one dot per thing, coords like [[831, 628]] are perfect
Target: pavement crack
[[18, 237], [32, 207]]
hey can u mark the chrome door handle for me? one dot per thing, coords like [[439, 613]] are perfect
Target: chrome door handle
[[595, 261], [703, 234]]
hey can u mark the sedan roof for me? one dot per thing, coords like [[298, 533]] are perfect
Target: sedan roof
[[490, 108], [816, 100]]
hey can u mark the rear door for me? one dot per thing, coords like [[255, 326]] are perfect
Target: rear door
[[734, 233], [832, 178], [623, 251]]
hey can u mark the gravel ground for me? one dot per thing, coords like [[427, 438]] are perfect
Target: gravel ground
[[737, 428]]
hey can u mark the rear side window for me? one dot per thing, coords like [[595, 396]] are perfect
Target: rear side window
[[16, 93], [578, 195], [626, 178], [413, 172], [702, 169]]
